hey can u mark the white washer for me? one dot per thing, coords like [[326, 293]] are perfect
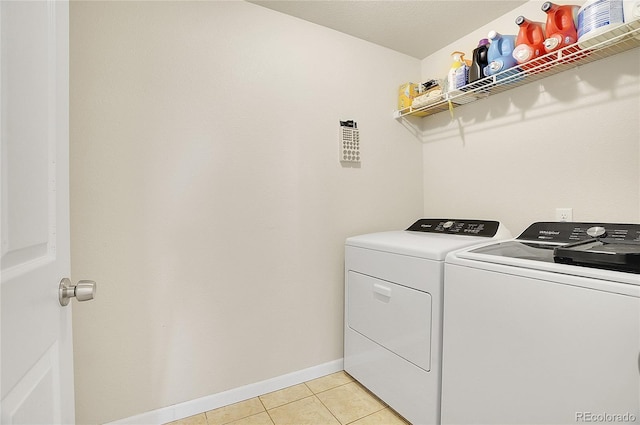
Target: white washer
[[393, 305], [528, 340]]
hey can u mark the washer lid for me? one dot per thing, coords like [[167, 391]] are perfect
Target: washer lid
[[606, 245], [534, 250], [606, 253]]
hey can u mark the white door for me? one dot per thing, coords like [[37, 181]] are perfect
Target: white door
[[36, 362]]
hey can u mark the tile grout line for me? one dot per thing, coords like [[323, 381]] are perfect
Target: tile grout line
[[288, 402], [366, 416], [327, 407], [313, 394], [267, 411], [382, 403], [237, 419], [342, 385], [332, 388]]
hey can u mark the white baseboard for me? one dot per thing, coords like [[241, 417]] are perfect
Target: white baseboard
[[214, 401]]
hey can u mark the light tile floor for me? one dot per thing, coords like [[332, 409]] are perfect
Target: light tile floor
[[335, 399]]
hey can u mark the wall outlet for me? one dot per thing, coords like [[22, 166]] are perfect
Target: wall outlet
[[564, 214]]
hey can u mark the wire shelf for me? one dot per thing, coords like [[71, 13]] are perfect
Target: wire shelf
[[619, 39]]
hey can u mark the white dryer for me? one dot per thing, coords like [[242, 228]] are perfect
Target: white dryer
[[393, 310], [544, 328]]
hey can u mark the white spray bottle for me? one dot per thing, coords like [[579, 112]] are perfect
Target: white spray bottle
[[459, 72]]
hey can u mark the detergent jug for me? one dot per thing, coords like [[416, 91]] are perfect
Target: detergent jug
[[479, 61], [529, 42], [500, 56], [561, 26]]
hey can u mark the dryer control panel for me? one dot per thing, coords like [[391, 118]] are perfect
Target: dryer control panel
[[484, 228]]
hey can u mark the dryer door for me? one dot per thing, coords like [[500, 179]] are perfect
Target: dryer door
[[394, 316]]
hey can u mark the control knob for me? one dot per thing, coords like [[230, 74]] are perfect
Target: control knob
[[596, 231]]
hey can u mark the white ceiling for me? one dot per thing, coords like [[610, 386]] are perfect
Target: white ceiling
[[416, 28]]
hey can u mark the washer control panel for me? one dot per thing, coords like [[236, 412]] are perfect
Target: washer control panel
[[484, 228], [566, 232]]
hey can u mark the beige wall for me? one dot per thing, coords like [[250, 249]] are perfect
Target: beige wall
[[207, 198], [570, 140], [209, 204]]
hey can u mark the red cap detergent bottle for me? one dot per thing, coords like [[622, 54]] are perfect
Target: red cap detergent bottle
[[562, 24], [529, 42]]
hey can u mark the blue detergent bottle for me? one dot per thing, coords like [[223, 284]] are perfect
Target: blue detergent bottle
[[500, 56]]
